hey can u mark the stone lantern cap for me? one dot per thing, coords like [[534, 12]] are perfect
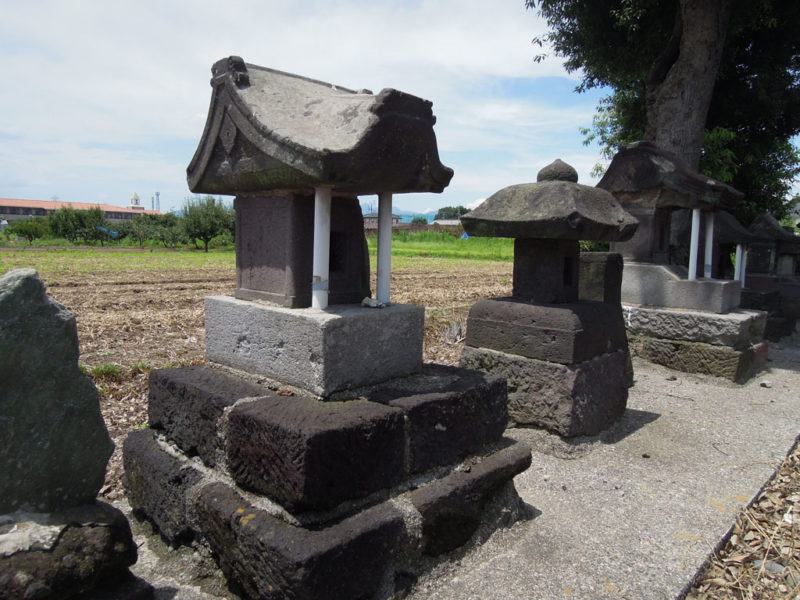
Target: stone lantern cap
[[270, 130], [643, 175], [556, 207], [767, 227]]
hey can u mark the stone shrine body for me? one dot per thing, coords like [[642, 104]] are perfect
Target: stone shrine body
[[565, 358], [316, 417], [675, 317]]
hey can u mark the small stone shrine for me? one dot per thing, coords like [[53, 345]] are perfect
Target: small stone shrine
[[772, 274], [316, 455], [56, 540], [674, 317], [564, 358]]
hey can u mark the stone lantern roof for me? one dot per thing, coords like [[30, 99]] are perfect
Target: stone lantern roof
[[643, 175], [270, 130], [767, 227], [556, 207]]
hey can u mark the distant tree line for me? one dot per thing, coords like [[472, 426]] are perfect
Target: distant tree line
[[201, 220]]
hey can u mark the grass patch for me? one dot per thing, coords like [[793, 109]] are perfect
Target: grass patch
[[106, 371], [441, 244]]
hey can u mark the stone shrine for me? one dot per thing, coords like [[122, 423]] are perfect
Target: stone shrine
[[674, 317], [316, 455], [564, 357]]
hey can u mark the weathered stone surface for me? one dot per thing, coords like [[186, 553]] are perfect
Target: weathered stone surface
[[156, 484], [187, 403], [274, 249], [738, 329], [445, 426], [557, 170], [574, 400], [551, 210], [343, 347], [66, 553], [268, 558], [766, 300], [789, 298], [307, 455], [698, 357], [451, 507], [600, 277], [546, 271], [269, 130], [54, 446], [778, 327], [562, 333]]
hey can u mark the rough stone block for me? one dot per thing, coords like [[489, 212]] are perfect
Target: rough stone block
[[666, 286], [789, 298], [600, 277], [445, 425], [187, 403], [562, 333], [342, 347], [156, 484], [65, 553], [54, 446], [779, 326], [451, 507], [582, 399], [698, 357], [269, 558], [308, 455], [766, 300], [739, 329]]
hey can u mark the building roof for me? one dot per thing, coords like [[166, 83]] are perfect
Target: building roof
[[56, 204]]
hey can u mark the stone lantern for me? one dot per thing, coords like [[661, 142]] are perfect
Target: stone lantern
[[564, 358]]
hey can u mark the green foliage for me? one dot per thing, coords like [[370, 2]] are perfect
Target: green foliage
[[106, 371], [451, 212], [755, 110], [419, 221], [205, 218], [141, 228], [168, 230], [65, 223], [29, 229]]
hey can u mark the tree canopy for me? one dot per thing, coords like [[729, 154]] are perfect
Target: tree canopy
[[634, 46], [451, 212], [205, 218]]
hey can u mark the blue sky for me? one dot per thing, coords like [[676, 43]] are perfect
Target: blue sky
[[101, 100]]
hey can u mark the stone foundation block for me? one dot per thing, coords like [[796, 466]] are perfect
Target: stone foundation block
[[156, 484], [581, 399], [187, 403], [766, 300], [698, 357], [342, 347], [562, 333], [789, 291], [779, 326], [451, 507], [459, 414], [269, 558], [313, 455], [739, 329], [67, 553]]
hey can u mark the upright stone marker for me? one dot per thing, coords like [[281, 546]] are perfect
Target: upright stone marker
[[564, 358]]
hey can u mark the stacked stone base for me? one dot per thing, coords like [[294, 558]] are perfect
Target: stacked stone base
[[302, 498], [729, 345]]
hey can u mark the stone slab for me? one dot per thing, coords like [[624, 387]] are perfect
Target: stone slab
[[342, 347], [698, 357], [666, 286], [600, 277], [451, 507], [187, 403], [269, 558], [766, 300], [779, 327], [738, 329], [562, 333], [65, 553], [156, 484], [54, 445], [574, 400], [311, 455], [789, 291]]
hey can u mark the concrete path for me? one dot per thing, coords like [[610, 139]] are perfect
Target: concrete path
[[633, 513]]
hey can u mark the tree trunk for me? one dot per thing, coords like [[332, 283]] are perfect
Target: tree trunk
[[681, 82]]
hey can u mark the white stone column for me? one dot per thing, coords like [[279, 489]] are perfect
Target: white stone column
[[695, 239], [384, 246], [737, 269], [744, 267], [322, 247], [709, 244]]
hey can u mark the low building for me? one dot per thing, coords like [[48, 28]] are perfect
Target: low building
[[371, 220], [12, 209]]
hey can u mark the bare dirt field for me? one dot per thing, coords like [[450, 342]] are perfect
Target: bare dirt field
[[144, 319]]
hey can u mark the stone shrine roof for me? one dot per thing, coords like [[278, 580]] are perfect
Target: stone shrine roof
[[551, 209], [767, 227], [270, 130], [643, 166]]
